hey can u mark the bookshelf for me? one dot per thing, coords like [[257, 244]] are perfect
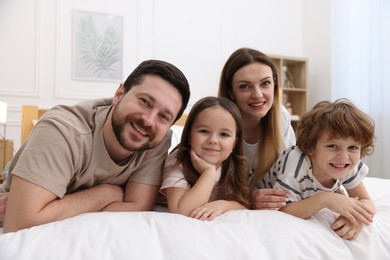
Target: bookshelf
[[292, 85]]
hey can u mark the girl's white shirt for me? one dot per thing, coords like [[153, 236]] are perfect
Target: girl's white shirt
[[173, 176]]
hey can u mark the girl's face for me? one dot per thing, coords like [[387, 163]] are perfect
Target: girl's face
[[334, 158], [213, 135], [253, 90]]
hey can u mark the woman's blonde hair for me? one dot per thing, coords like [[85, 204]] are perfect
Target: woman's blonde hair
[[271, 136]]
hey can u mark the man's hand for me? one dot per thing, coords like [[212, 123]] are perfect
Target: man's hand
[[3, 206], [137, 197], [269, 199]]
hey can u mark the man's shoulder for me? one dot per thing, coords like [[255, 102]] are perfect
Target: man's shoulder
[[95, 103], [81, 115], [86, 106]]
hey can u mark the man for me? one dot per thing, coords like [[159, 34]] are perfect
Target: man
[[99, 155]]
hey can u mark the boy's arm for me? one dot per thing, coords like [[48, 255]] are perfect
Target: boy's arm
[[361, 194], [354, 210], [308, 207], [342, 226]]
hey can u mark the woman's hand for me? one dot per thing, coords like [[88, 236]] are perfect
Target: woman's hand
[[269, 199]]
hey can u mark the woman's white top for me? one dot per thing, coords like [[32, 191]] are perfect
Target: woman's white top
[[251, 151]]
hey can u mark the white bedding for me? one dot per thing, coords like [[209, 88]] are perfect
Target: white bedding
[[234, 235]]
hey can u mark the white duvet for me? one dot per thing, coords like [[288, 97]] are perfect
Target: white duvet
[[235, 235]]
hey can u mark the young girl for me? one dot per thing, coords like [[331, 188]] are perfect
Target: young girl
[[331, 140], [206, 174]]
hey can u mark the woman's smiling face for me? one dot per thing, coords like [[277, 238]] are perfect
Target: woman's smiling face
[[253, 90]]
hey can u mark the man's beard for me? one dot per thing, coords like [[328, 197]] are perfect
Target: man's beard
[[118, 127]]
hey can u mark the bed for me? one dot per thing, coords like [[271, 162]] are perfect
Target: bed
[[246, 234], [243, 234]]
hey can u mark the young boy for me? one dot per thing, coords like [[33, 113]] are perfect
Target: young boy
[[332, 138]]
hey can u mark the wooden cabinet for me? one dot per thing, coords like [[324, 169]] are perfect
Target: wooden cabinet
[[6, 154], [292, 85]]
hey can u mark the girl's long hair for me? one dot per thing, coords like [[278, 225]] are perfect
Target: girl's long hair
[[233, 184], [270, 137]]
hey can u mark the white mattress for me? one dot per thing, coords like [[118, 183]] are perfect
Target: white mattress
[[245, 234]]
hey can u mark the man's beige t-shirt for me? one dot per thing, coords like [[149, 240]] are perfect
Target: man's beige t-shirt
[[66, 153]]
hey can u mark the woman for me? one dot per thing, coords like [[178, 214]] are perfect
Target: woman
[[250, 79]]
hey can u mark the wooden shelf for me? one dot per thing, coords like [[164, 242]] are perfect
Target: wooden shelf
[[6, 154], [292, 84]]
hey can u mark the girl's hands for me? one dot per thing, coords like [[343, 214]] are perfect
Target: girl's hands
[[201, 165], [208, 211], [215, 208], [269, 199]]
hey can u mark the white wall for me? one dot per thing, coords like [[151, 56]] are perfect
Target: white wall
[[317, 47], [196, 35]]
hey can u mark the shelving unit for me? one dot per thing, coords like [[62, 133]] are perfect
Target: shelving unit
[[292, 84], [6, 154]]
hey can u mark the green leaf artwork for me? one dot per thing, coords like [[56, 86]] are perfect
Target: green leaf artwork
[[98, 52]]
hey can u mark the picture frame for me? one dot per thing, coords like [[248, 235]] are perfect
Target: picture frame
[[97, 46]]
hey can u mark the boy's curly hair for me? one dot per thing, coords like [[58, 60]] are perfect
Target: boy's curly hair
[[338, 119]]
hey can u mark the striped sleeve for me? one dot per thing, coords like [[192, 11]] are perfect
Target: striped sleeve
[[287, 172], [356, 176]]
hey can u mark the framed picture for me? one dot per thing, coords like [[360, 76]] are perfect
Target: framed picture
[[97, 46]]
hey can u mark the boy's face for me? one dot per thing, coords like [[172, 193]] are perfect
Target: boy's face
[[333, 158]]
